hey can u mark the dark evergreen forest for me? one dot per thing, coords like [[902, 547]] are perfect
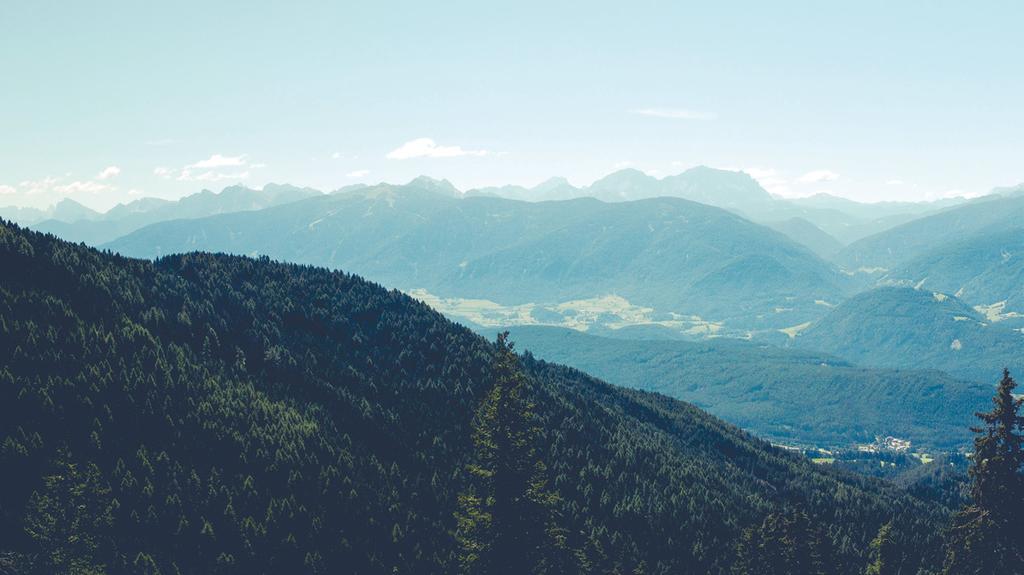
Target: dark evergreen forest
[[219, 414]]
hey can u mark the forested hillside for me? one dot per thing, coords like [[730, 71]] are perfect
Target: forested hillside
[[218, 414], [788, 395], [919, 329]]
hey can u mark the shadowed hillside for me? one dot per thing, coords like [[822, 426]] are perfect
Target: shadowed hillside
[[208, 413], [789, 395], [908, 328]]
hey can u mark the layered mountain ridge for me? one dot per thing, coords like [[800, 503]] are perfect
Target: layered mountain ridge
[[209, 412]]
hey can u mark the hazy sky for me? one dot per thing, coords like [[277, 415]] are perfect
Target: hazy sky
[[107, 101]]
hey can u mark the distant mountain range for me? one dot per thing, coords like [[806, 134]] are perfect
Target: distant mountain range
[[66, 210], [94, 228], [973, 251], [673, 255], [783, 394], [845, 220], [630, 256], [838, 219], [888, 249], [875, 210]]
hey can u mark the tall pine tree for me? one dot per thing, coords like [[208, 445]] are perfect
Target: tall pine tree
[[987, 536], [505, 519]]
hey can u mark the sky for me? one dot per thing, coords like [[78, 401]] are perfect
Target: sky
[[105, 102]]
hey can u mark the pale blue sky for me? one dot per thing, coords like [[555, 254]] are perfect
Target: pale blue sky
[[860, 95]]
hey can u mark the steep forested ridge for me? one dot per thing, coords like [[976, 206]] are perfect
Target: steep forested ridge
[[783, 394], [904, 327], [217, 414]]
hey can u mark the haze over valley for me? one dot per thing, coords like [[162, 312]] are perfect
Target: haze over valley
[[703, 256]]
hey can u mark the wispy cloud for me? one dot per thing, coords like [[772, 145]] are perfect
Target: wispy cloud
[[33, 187], [358, 174], [894, 183], [674, 113], [770, 179], [208, 170], [427, 148], [79, 187], [622, 165], [108, 172], [211, 176], [956, 193], [219, 161], [51, 184], [46, 190], [817, 176]]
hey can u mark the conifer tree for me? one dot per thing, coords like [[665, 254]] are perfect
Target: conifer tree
[[505, 520], [784, 543], [987, 536], [69, 517]]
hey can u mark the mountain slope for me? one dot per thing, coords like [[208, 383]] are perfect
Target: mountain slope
[[908, 328], [808, 235], [24, 216], [668, 254], [624, 186], [66, 210], [551, 189], [904, 242], [723, 188], [788, 395], [986, 269], [70, 211], [126, 218], [735, 191], [211, 413]]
